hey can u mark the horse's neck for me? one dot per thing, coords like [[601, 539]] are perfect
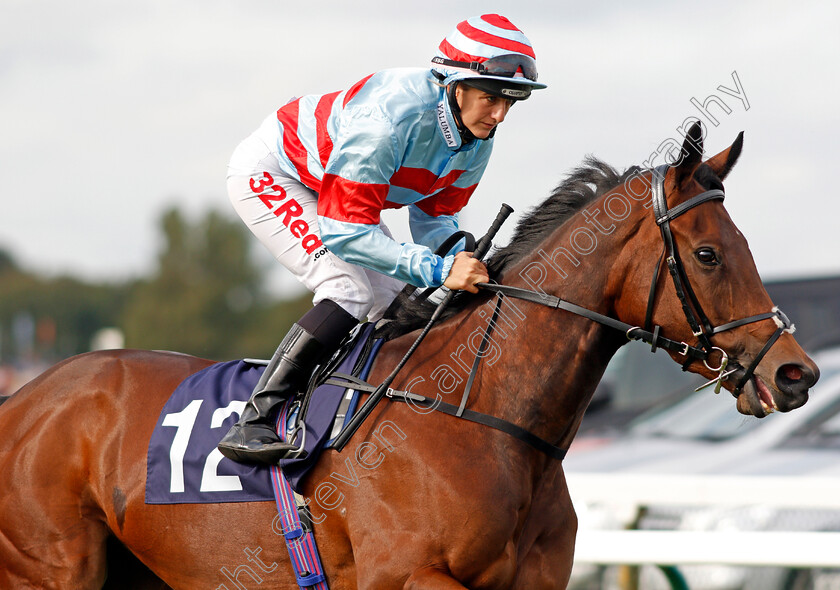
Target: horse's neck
[[541, 365], [557, 358], [548, 368]]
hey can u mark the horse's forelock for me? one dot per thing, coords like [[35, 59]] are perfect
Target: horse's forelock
[[707, 178]]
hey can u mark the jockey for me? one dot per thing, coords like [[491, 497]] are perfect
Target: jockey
[[312, 180]]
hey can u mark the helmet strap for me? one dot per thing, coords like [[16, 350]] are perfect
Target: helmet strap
[[463, 130]]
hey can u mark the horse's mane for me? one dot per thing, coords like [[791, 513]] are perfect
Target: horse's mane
[[583, 185]]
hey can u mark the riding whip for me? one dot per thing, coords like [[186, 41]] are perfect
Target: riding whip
[[364, 411]]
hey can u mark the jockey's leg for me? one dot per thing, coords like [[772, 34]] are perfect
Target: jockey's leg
[[316, 336], [283, 214]]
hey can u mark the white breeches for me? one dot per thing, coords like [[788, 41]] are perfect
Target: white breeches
[[283, 214]]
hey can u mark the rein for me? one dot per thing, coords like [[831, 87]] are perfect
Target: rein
[[459, 411], [699, 323]]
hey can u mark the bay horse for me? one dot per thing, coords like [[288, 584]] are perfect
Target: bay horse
[[430, 502]]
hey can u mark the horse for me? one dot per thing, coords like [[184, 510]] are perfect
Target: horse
[[418, 499]]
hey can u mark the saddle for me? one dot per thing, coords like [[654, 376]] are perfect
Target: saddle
[[185, 467]]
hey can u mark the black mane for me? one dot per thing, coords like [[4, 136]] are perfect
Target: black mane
[[583, 185]]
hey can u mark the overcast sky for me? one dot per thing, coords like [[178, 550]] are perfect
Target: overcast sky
[[111, 112]]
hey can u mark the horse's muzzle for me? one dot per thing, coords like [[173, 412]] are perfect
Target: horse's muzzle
[[793, 381], [787, 390]]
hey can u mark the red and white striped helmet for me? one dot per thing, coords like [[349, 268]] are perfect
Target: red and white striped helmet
[[489, 47]]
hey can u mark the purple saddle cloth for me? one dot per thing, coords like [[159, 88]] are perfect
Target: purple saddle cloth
[[185, 467]]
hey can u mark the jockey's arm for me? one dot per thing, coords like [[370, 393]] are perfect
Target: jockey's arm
[[368, 246], [353, 193]]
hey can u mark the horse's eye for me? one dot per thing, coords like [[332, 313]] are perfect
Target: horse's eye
[[707, 256]]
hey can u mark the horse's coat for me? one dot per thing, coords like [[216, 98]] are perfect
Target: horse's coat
[[452, 504]]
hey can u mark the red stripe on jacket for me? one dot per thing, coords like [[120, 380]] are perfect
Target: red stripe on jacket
[[289, 115], [447, 202], [354, 90], [423, 181], [351, 201], [322, 115], [292, 145]]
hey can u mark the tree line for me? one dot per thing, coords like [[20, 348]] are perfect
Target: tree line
[[205, 297]]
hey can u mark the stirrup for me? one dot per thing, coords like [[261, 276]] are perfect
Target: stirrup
[[291, 435]]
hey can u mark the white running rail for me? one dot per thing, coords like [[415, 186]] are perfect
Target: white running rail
[[769, 548]]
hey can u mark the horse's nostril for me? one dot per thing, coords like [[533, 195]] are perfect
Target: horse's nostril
[[792, 378], [792, 372]]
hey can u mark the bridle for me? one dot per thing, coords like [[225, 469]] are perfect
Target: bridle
[[698, 321]]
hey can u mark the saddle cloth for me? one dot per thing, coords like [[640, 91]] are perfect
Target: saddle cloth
[[185, 467]]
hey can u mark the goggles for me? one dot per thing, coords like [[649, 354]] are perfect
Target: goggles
[[505, 66]]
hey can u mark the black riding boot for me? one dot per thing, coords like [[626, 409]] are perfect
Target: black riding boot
[[317, 335]]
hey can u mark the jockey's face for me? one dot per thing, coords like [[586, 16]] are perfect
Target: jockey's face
[[480, 111]]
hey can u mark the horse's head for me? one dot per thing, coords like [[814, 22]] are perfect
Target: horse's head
[[706, 290]]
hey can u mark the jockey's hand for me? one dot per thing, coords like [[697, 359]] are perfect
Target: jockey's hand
[[466, 271]]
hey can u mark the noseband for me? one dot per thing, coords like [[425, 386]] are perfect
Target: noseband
[[698, 321]]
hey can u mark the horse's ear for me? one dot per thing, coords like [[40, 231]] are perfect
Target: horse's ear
[[722, 163], [691, 155]]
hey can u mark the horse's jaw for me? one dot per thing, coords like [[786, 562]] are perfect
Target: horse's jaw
[[753, 400], [761, 396], [756, 399]]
